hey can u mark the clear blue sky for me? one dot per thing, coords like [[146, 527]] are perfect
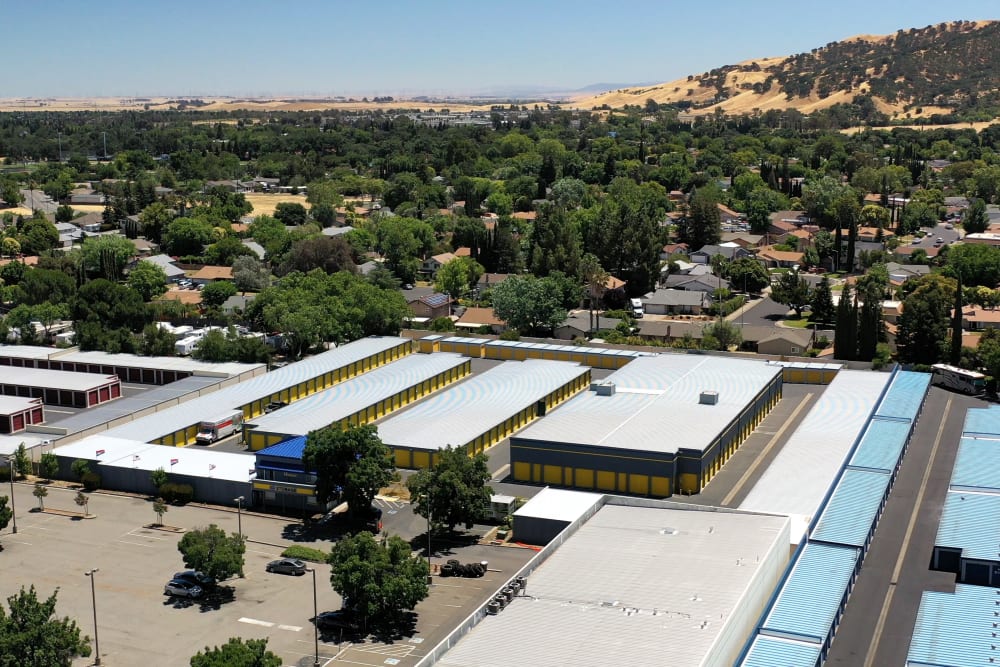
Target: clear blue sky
[[65, 48]]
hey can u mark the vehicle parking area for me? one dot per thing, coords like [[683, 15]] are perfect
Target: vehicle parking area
[[138, 624]]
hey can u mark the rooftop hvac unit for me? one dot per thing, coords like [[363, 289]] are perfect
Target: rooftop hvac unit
[[604, 388], [708, 397], [493, 608]]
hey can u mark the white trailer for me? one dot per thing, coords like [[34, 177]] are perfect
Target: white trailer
[[185, 346], [211, 430]]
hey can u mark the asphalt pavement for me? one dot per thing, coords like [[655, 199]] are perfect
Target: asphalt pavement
[[764, 312]]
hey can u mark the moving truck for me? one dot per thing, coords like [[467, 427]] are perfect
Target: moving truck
[[211, 430]]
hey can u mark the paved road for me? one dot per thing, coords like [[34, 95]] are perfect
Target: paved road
[[895, 571], [763, 313], [36, 199]]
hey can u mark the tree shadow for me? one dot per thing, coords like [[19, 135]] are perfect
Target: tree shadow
[[394, 628], [444, 543], [210, 601], [315, 532]]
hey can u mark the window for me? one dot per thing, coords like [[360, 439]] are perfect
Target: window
[[794, 349]]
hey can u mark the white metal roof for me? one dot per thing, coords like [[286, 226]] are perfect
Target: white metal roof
[[655, 406], [802, 472], [187, 364], [9, 404], [461, 413], [10, 443], [165, 422], [192, 461], [344, 399], [46, 379], [558, 504], [635, 586]]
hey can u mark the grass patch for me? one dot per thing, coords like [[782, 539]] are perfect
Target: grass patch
[[801, 323], [305, 553]]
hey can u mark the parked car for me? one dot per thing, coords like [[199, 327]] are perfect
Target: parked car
[[274, 405], [194, 577], [337, 620], [287, 566], [182, 589]]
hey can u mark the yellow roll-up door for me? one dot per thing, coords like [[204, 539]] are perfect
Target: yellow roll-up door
[[584, 478], [638, 484], [660, 486], [522, 471], [402, 457], [553, 474], [606, 480], [421, 460]]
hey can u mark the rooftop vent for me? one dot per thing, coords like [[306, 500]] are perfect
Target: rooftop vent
[[708, 397], [603, 388]]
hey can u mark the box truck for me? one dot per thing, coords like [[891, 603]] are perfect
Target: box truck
[[211, 430], [637, 309]]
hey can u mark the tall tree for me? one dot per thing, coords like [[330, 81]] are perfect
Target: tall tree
[[956, 325], [237, 653], [353, 462], [529, 304], [975, 220], [211, 551], [454, 491], [555, 243], [793, 291], [32, 636], [845, 336], [923, 326], [822, 302], [703, 226]]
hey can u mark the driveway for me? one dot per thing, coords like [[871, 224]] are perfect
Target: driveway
[[36, 199], [763, 313]]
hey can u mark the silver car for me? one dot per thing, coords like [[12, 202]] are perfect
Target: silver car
[[182, 589]]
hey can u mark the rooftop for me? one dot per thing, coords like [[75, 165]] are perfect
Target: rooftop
[[969, 522], [558, 504], [67, 380], [184, 364], [644, 615], [955, 629], [10, 404], [853, 508], [656, 406], [977, 466]]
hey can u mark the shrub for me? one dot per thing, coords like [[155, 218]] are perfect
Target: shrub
[[91, 480], [306, 553], [178, 494], [80, 468], [510, 334]]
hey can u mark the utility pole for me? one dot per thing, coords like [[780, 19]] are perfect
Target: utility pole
[[13, 512], [93, 598]]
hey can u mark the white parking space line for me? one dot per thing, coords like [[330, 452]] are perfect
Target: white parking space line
[[254, 621], [137, 544], [141, 535], [62, 412], [269, 554], [290, 628]]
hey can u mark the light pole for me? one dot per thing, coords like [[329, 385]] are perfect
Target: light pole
[[13, 512], [430, 514], [315, 617], [239, 515], [93, 598]]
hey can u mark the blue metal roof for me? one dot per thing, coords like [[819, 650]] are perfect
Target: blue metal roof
[[775, 652], [849, 515], [286, 449], [977, 466], [881, 445], [905, 396], [811, 597], [969, 522], [956, 629], [982, 421]]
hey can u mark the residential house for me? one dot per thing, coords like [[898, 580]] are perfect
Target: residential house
[[728, 216], [676, 302], [68, 233], [257, 248], [477, 318], [90, 222], [463, 251], [695, 283], [904, 252], [85, 196], [188, 297], [337, 231], [430, 306], [144, 248], [779, 259], [527, 216], [210, 274], [237, 303], [668, 332], [900, 273], [367, 267], [891, 310], [166, 262], [578, 324], [975, 318], [673, 249], [705, 254], [490, 280], [787, 342], [982, 238], [745, 240], [432, 264]]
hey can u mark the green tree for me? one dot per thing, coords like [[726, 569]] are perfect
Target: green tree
[[215, 293], [291, 214], [40, 492], [156, 342], [975, 219], [923, 326], [555, 243], [187, 236], [354, 461], [80, 467], [793, 291], [977, 264], [250, 274], [529, 304], [148, 279], [64, 213], [22, 462], [159, 509], [158, 478], [454, 491], [703, 226], [721, 335], [237, 653], [106, 256], [82, 500], [212, 347], [748, 274], [225, 251], [989, 351], [330, 254], [32, 636], [381, 580], [211, 551], [955, 355], [6, 513], [845, 342], [37, 235], [457, 276], [153, 220], [822, 302], [48, 465]]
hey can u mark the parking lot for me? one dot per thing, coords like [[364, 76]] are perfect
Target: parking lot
[[137, 624]]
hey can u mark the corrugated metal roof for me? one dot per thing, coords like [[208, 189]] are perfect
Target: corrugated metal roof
[[286, 449], [776, 652], [166, 422], [558, 504], [849, 515], [977, 465], [969, 522], [811, 597], [905, 396], [9, 404], [10, 443], [881, 445], [66, 380], [808, 365], [637, 586], [982, 422], [346, 398], [227, 369], [802, 472], [461, 413], [656, 404], [956, 629], [608, 352]]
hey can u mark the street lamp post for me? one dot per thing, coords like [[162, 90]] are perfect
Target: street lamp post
[[239, 515], [93, 598], [13, 512], [430, 514], [315, 617]]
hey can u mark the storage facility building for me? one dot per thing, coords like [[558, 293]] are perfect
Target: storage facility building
[[637, 585], [956, 629], [549, 512], [178, 426], [360, 400], [481, 411], [661, 425], [78, 390], [16, 413], [508, 350]]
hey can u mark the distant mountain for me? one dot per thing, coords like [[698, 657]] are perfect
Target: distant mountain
[[947, 70]]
